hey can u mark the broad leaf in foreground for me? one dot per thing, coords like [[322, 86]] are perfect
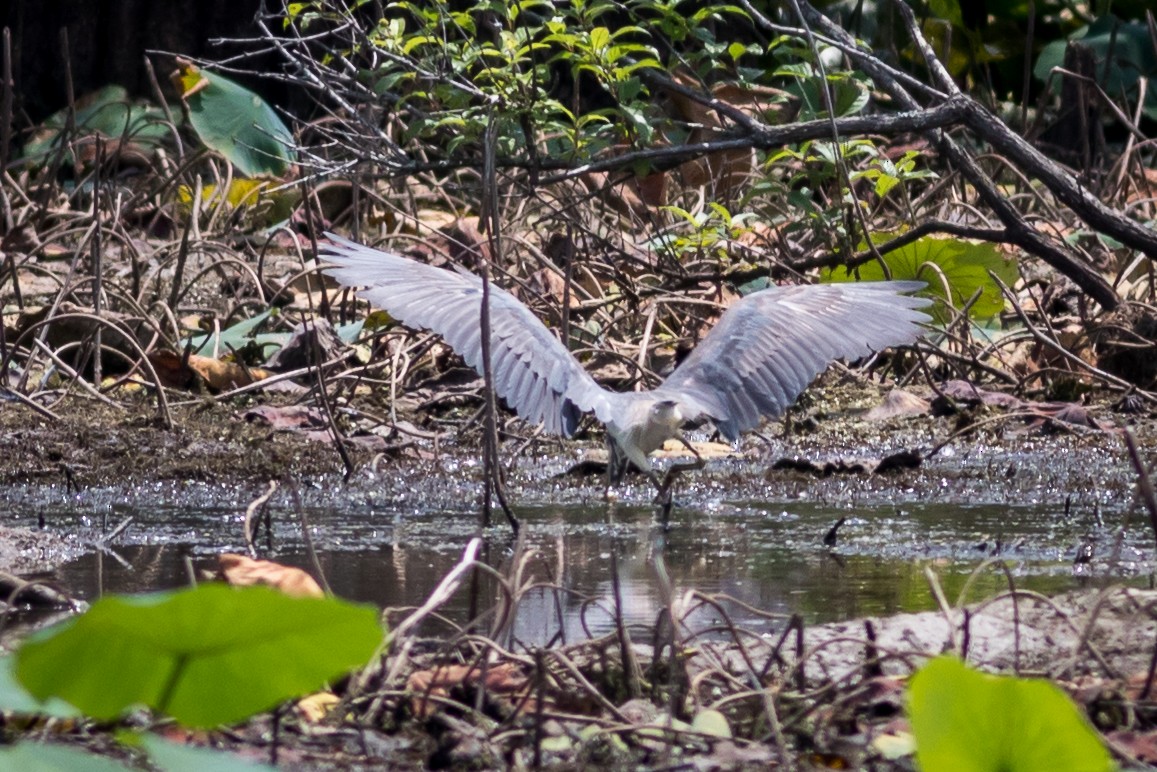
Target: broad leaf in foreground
[[968, 721], [205, 656]]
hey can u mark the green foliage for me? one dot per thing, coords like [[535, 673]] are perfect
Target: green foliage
[[244, 338], [805, 77], [455, 68], [888, 174], [967, 721], [205, 656], [953, 268], [107, 112], [706, 234], [1133, 55], [184, 758], [34, 757], [15, 699], [235, 122], [251, 203], [170, 757]]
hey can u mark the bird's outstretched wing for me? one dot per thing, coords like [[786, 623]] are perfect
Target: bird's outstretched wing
[[533, 372], [770, 345]]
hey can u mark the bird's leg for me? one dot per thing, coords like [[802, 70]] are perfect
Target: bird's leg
[[617, 462], [663, 497]]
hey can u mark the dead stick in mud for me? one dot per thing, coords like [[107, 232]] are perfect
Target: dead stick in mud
[[631, 673], [492, 469], [31, 404], [307, 538], [1144, 479], [327, 410], [250, 511], [442, 593], [163, 414]]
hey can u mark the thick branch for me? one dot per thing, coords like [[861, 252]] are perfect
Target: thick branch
[[762, 137], [1001, 137]]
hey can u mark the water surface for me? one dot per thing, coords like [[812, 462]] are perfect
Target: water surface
[[769, 555]]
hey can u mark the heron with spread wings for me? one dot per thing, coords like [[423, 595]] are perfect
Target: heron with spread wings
[[757, 359]]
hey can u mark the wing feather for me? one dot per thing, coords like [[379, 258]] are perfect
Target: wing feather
[[770, 345], [524, 351]]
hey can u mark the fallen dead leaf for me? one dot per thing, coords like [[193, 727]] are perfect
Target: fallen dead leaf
[[287, 417], [181, 372], [897, 404], [503, 681], [706, 450], [314, 708], [242, 571]]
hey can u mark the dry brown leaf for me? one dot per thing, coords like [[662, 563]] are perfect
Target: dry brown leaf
[[314, 708], [287, 417], [898, 403], [706, 450], [502, 680], [242, 571], [180, 372], [725, 171]]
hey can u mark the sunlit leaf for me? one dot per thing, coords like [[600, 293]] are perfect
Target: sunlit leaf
[[955, 266], [205, 656], [235, 122], [266, 202], [967, 721]]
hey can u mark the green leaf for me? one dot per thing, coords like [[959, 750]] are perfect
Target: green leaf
[[185, 758], [206, 656], [963, 265], [1133, 57], [14, 698], [235, 122], [34, 757], [949, 10], [971, 722], [242, 336], [107, 112]]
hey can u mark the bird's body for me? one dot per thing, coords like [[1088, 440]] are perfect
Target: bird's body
[[762, 353]]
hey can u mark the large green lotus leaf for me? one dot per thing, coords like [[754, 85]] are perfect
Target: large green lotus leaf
[[235, 122], [14, 698], [967, 721], [1133, 57], [205, 656], [34, 757], [963, 264], [108, 112]]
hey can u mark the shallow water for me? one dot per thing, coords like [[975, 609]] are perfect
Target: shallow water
[[769, 555]]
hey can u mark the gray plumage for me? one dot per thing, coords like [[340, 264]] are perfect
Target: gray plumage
[[764, 351]]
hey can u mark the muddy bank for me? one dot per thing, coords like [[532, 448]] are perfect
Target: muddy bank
[[100, 446]]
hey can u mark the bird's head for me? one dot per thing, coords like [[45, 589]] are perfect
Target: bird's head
[[668, 413]]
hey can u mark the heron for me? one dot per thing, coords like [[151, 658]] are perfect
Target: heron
[[764, 351]]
